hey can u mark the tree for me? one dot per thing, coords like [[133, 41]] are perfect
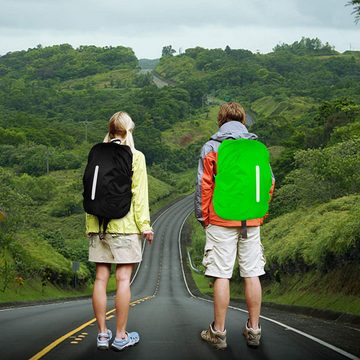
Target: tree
[[168, 51], [356, 10], [306, 46]]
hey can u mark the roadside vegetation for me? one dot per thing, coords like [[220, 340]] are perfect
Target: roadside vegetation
[[311, 257], [55, 103], [311, 124], [304, 103]]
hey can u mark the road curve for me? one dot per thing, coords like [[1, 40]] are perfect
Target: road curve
[[167, 317]]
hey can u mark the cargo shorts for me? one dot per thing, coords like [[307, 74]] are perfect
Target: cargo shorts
[[115, 248], [224, 244]]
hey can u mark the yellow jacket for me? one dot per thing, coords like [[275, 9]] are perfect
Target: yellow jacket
[[138, 218]]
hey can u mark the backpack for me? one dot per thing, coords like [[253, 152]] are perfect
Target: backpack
[[107, 182], [243, 180]]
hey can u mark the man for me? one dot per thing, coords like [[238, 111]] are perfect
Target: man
[[226, 238]]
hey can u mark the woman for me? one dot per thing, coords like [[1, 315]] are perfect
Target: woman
[[122, 243]]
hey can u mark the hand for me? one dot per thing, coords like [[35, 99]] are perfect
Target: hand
[[149, 236]]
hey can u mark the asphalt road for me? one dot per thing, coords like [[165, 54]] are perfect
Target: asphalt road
[[167, 317]]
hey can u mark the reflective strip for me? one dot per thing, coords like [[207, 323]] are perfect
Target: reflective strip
[[93, 190], [257, 169]]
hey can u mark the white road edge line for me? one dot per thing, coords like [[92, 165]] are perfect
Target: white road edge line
[[286, 327], [144, 243], [71, 301]]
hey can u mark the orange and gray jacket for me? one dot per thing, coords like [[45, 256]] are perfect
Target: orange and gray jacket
[[205, 184]]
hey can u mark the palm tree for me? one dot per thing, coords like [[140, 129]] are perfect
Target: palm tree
[[356, 11]]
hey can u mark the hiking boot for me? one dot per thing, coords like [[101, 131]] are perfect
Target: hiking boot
[[252, 336], [103, 340], [120, 344], [214, 337]]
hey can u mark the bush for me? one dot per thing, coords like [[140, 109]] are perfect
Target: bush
[[319, 237], [66, 206], [320, 175], [39, 189]]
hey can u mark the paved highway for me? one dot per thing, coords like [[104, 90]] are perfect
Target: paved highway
[[167, 317]]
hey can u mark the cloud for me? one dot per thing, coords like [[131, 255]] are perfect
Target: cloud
[[148, 25], [157, 15]]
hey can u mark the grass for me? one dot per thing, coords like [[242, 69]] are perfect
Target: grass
[[309, 290], [312, 290], [203, 283], [32, 290], [293, 108], [196, 129], [314, 252], [315, 235], [158, 190], [120, 78], [34, 254]]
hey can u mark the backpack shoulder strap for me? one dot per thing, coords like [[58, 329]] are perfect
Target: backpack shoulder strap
[[220, 141], [104, 222], [243, 229]]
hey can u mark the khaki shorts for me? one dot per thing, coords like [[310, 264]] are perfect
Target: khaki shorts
[[115, 248], [222, 245]]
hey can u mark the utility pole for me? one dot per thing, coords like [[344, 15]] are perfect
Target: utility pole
[[203, 100], [86, 129], [47, 161]]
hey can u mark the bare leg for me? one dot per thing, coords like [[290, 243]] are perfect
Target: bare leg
[[123, 295], [99, 295], [221, 302], [253, 300]]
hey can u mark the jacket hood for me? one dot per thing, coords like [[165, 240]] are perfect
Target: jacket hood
[[234, 129]]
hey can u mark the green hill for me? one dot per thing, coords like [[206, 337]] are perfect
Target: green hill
[[55, 103], [36, 263], [294, 107], [192, 131], [304, 100]]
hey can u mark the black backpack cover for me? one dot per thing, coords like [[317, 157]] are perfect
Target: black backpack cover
[[107, 182]]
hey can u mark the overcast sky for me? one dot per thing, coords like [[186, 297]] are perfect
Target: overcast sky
[[148, 25]]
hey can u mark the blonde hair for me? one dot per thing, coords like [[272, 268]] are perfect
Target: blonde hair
[[231, 111], [121, 125]]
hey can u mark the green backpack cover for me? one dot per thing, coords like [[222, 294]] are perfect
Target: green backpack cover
[[243, 180]]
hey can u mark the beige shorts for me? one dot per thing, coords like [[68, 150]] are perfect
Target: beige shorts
[[115, 248], [222, 246]]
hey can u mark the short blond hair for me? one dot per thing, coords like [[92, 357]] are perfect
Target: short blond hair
[[231, 111]]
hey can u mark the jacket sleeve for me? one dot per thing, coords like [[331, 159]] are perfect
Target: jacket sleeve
[[271, 192], [204, 187], [140, 194]]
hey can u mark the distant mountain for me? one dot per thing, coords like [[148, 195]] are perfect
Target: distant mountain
[[148, 63]]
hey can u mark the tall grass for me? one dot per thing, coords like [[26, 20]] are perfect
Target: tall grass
[[312, 257]]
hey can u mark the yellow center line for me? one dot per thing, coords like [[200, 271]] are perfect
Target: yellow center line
[[58, 341]]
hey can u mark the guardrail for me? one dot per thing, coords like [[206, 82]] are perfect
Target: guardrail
[[192, 265]]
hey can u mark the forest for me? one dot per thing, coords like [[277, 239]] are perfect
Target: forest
[[304, 102]]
